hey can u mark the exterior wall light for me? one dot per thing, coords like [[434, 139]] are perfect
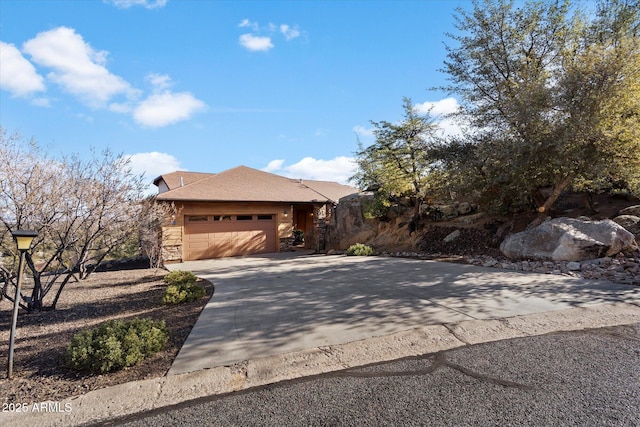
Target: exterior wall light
[[23, 240]]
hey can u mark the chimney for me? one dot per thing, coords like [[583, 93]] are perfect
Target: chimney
[[181, 182]]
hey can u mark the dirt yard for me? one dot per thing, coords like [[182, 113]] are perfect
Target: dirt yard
[[42, 337]]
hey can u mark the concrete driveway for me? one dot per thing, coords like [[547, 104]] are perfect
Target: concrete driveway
[[281, 303]]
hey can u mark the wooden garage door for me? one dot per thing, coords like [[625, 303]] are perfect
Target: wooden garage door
[[216, 236]]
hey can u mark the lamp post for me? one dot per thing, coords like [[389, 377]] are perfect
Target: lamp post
[[23, 239]]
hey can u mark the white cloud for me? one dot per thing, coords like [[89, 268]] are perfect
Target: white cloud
[[338, 169], [438, 108], [159, 81], [18, 75], [126, 4], [255, 43], [274, 165], [162, 109], [245, 23], [152, 165], [362, 131], [288, 32], [76, 66], [451, 127], [81, 71]]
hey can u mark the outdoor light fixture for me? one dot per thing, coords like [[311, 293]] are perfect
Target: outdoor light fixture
[[23, 239]]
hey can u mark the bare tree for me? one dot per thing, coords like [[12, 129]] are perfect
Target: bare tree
[[153, 216], [82, 209]]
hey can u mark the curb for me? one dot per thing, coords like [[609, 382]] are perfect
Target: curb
[[145, 395]]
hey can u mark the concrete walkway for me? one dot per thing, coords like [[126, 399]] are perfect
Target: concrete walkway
[[282, 303]]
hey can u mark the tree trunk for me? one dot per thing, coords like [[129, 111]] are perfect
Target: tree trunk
[[557, 190], [587, 198], [415, 220], [37, 294], [62, 285], [553, 197]]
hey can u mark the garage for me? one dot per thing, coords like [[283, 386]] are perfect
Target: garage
[[241, 211], [215, 236]]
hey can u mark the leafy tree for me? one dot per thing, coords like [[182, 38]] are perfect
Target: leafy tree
[[553, 98], [400, 161], [82, 210]]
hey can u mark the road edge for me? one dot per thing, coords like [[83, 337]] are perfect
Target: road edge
[[145, 395]]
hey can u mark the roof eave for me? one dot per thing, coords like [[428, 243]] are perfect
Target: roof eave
[[187, 199]]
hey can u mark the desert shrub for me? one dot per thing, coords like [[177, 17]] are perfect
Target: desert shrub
[[180, 277], [360, 249], [186, 292], [115, 344]]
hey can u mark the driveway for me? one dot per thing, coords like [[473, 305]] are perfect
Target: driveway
[[281, 303]]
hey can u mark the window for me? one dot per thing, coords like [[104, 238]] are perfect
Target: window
[[198, 218], [265, 217], [244, 217], [222, 217]]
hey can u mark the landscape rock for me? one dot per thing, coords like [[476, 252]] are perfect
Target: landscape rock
[[630, 222], [631, 210], [568, 239], [348, 223], [452, 236], [464, 208], [439, 212], [600, 269], [573, 266]]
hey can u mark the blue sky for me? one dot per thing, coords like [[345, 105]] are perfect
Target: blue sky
[[199, 85]]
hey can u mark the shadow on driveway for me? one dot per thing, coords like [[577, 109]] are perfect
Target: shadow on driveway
[[280, 303]]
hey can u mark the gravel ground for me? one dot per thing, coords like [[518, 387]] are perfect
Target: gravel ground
[[42, 337]]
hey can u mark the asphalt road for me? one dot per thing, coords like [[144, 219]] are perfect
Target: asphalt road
[[585, 378]]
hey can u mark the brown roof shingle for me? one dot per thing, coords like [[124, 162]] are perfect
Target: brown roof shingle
[[244, 184], [173, 179]]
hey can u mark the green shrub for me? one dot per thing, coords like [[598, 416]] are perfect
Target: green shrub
[[115, 344], [378, 207], [360, 249], [176, 294], [180, 277]]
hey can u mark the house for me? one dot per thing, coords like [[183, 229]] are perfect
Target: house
[[243, 211]]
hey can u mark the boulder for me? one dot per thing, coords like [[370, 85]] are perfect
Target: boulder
[[438, 212], [631, 210], [348, 224], [464, 208], [630, 222], [568, 239], [451, 236]]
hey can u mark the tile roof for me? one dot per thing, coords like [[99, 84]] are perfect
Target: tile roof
[[244, 184]]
